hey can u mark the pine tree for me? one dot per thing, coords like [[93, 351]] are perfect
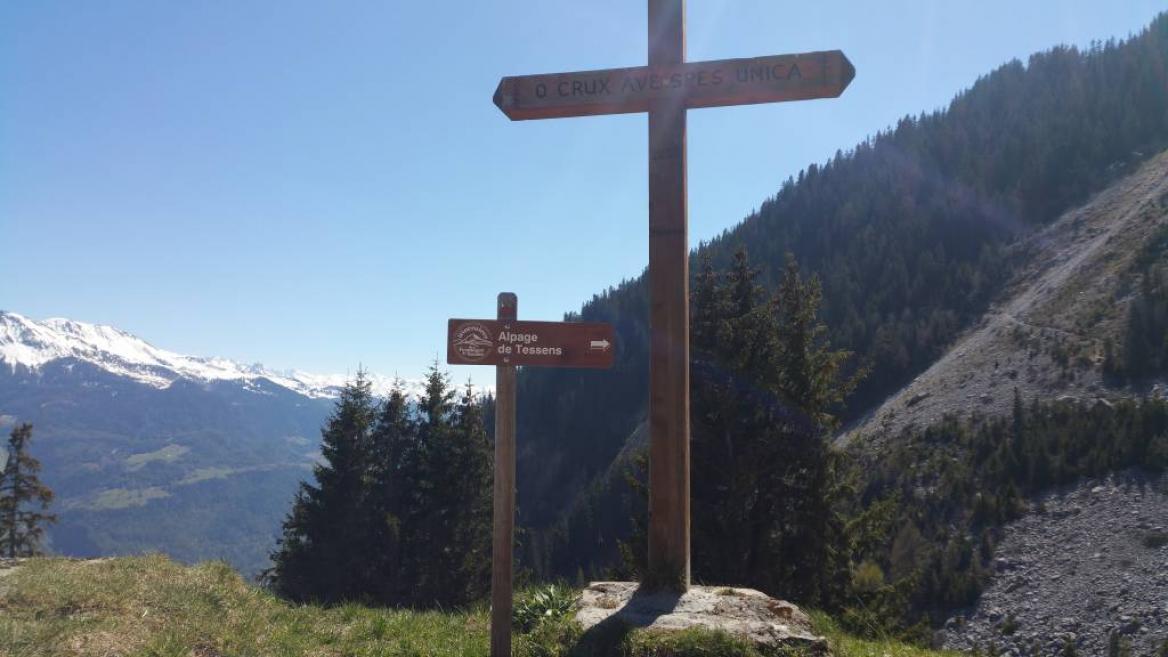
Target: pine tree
[[400, 511], [390, 502], [320, 555], [24, 500], [473, 465], [810, 375], [427, 545], [765, 384], [446, 535]]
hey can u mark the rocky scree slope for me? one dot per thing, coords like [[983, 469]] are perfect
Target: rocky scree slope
[[1046, 336], [1092, 560]]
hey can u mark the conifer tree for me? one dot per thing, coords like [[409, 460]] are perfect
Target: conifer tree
[[765, 385], [428, 544], [472, 510], [449, 549], [320, 555], [24, 500], [390, 502], [400, 511], [811, 376]]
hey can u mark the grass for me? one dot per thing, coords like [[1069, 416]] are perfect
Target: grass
[[846, 645], [120, 498], [207, 474], [168, 454], [153, 607]]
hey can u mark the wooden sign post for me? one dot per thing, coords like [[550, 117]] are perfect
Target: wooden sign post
[[503, 495], [507, 343], [666, 88]]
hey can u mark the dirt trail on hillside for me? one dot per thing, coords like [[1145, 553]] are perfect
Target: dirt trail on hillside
[[1046, 336]]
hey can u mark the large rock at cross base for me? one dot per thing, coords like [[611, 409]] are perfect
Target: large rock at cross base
[[746, 613]]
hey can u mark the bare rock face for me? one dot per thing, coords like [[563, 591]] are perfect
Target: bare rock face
[[745, 613], [1089, 567], [1044, 338]]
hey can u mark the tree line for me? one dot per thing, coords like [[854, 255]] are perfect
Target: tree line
[[399, 510], [929, 511], [894, 539]]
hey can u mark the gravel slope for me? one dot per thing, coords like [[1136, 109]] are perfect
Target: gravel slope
[[1094, 561], [1068, 298]]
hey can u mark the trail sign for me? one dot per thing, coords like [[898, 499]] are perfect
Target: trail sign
[[531, 344], [695, 84], [506, 343]]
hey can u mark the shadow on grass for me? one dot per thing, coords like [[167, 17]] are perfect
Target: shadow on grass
[[609, 637]]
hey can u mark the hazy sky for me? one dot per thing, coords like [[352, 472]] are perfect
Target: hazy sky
[[321, 185]]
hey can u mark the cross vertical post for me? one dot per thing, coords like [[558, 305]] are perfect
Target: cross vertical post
[[503, 506], [669, 503]]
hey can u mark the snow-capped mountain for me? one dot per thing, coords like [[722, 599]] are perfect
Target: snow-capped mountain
[[30, 344], [152, 450]]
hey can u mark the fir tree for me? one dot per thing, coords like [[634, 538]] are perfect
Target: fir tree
[[400, 511], [320, 555], [764, 385], [473, 463], [393, 464], [24, 500], [450, 544], [428, 544]]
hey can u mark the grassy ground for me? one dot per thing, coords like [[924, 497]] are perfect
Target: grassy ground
[[151, 606]]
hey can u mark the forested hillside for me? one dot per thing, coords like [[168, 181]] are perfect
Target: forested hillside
[[198, 469], [937, 498], [1083, 301], [908, 232]]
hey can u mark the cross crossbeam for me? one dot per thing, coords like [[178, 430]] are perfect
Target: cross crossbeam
[[718, 83]]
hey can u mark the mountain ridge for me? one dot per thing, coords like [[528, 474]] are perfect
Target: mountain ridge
[[30, 344], [911, 234], [1045, 336]]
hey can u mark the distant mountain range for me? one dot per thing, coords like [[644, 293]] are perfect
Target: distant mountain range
[[148, 449], [29, 344]]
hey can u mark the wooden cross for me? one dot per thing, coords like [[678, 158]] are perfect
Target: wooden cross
[[666, 88]]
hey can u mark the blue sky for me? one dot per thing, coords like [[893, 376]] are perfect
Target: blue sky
[[321, 185]]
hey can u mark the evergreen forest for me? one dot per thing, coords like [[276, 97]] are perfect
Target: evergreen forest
[[399, 511], [911, 234], [837, 291]]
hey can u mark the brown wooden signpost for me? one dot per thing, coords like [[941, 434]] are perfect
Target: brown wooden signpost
[[538, 344], [506, 343], [666, 88]]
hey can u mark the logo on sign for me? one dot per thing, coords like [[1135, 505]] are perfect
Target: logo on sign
[[472, 341]]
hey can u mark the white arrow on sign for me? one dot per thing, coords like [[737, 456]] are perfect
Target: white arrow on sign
[[600, 345]]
